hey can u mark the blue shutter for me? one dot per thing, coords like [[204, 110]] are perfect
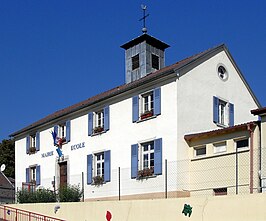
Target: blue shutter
[[90, 123], [27, 175], [135, 108], [68, 129], [38, 141], [107, 166], [38, 175], [215, 109], [157, 101], [134, 160], [231, 114], [106, 118], [89, 169], [158, 156], [56, 130], [27, 144]]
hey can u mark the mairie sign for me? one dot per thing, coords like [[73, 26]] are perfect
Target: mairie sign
[[47, 154]]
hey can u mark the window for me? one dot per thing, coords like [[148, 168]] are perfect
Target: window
[[150, 155], [155, 61], [222, 73], [61, 133], [223, 112], [33, 174], [146, 105], [220, 191], [219, 147], [99, 168], [242, 143], [200, 151], [33, 143], [98, 121], [135, 62]]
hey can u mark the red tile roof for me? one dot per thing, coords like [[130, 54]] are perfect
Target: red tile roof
[[120, 89], [212, 133]]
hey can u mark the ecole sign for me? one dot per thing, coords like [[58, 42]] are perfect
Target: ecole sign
[[78, 146]]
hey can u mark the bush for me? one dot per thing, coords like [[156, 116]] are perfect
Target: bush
[[39, 196], [69, 193]]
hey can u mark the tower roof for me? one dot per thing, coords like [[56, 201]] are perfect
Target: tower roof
[[149, 39]]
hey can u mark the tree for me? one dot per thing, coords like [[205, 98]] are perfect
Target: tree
[[7, 157]]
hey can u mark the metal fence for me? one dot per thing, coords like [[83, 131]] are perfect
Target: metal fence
[[8, 213], [219, 174]]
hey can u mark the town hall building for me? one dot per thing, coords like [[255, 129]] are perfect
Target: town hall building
[[128, 138]]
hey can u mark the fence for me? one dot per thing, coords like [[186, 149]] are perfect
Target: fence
[[220, 174], [12, 214]]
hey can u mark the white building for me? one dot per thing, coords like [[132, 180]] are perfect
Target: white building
[[136, 126]]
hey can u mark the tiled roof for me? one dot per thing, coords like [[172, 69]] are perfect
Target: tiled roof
[[218, 132], [259, 111], [4, 182], [120, 89]]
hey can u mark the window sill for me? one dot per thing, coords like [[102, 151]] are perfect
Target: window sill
[[146, 177], [98, 133], [222, 125], [148, 118]]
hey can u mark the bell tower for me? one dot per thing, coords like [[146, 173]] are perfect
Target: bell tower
[[144, 54]]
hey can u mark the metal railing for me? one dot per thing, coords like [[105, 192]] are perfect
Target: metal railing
[[8, 213]]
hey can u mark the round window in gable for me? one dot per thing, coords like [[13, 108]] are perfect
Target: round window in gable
[[222, 73]]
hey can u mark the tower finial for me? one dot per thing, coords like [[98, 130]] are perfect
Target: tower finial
[[144, 29]]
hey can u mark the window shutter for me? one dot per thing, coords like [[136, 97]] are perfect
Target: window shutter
[[134, 160], [90, 123], [27, 144], [38, 175], [157, 101], [89, 169], [231, 114], [55, 135], [68, 129], [158, 156], [215, 109], [106, 118], [27, 175], [38, 141], [135, 108], [107, 166]]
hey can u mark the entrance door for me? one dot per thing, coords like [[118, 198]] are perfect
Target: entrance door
[[63, 173]]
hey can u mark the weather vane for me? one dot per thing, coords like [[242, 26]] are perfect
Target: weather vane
[[144, 29]]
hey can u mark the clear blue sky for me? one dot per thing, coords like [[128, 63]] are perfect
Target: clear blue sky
[[56, 53]]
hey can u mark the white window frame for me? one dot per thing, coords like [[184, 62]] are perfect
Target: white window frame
[[62, 130], [149, 153], [220, 147], [223, 112], [196, 149], [99, 118], [33, 173], [32, 140], [99, 160], [242, 139], [147, 102]]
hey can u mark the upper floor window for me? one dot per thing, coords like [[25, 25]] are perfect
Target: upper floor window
[[146, 105], [150, 155], [155, 61], [219, 147], [61, 133], [98, 121], [135, 62], [200, 151], [243, 143], [223, 112], [99, 168], [33, 143]]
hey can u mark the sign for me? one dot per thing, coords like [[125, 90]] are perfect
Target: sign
[[78, 146], [47, 154]]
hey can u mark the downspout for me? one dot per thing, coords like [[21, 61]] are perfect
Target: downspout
[[251, 172]]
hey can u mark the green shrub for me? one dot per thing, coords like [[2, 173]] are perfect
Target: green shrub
[[38, 196], [69, 193]]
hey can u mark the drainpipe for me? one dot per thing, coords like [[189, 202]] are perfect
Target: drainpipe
[[251, 172]]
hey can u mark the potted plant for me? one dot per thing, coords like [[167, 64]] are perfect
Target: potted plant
[[98, 180], [146, 172], [146, 114], [98, 129]]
